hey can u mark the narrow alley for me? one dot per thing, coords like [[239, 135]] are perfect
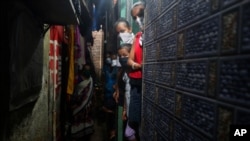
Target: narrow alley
[[125, 70]]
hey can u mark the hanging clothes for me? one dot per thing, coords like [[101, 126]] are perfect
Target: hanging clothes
[[55, 68], [56, 38], [80, 49], [71, 76], [82, 121]]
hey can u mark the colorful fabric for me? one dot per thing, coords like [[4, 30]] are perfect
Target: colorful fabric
[[56, 38], [55, 65], [82, 121]]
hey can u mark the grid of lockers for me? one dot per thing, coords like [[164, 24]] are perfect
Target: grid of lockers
[[196, 69]]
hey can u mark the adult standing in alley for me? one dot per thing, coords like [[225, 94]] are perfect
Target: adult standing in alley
[[135, 62], [126, 35]]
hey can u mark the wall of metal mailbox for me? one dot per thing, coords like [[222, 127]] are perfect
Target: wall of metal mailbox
[[196, 69]]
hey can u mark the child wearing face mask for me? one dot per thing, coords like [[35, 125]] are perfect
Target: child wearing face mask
[[126, 37], [109, 106], [123, 52]]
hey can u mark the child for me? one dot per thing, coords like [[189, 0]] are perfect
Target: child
[[123, 52]]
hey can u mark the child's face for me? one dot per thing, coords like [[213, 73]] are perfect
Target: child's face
[[113, 56], [121, 28], [107, 55], [123, 52]]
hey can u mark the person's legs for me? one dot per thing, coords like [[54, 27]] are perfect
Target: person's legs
[[135, 104], [135, 109], [109, 108], [112, 131]]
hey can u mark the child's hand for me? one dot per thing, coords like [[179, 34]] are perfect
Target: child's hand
[[124, 115], [116, 96]]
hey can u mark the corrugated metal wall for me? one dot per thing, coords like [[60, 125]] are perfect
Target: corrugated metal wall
[[196, 69]]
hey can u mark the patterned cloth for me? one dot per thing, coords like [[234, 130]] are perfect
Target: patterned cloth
[[82, 121]]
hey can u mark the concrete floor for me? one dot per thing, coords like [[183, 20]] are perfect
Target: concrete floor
[[98, 135]]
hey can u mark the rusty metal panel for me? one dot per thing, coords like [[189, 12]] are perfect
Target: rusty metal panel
[[166, 99], [230, 23], [191, 76], [196, 69], [167, 47], [166, 22], [149, 71], [150, 33], [161, 137], [182, 133], [203, 38], [200, 114], [245, 28], [225, 119], [152, 10], [148, 110], [191, 10], [163, 123], [234, 80], [226, 3], [164, 73], [151, 52], [151, 91], [148, 131], [165, 4]]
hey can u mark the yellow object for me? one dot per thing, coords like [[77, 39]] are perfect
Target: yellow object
[[71, 76]]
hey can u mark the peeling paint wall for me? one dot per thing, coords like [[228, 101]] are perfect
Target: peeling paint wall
[[35, 125], [32, 122]]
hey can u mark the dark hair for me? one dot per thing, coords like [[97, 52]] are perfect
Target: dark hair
[[86, 65], [122, 20], [125, 45], [135, 5], [85, 73]]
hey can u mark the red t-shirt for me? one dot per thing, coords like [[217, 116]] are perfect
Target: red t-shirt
[[138, 57]]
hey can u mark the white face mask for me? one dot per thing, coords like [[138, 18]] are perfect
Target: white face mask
[[108, 60], [139, 21], [127, 37], [114, 63]]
